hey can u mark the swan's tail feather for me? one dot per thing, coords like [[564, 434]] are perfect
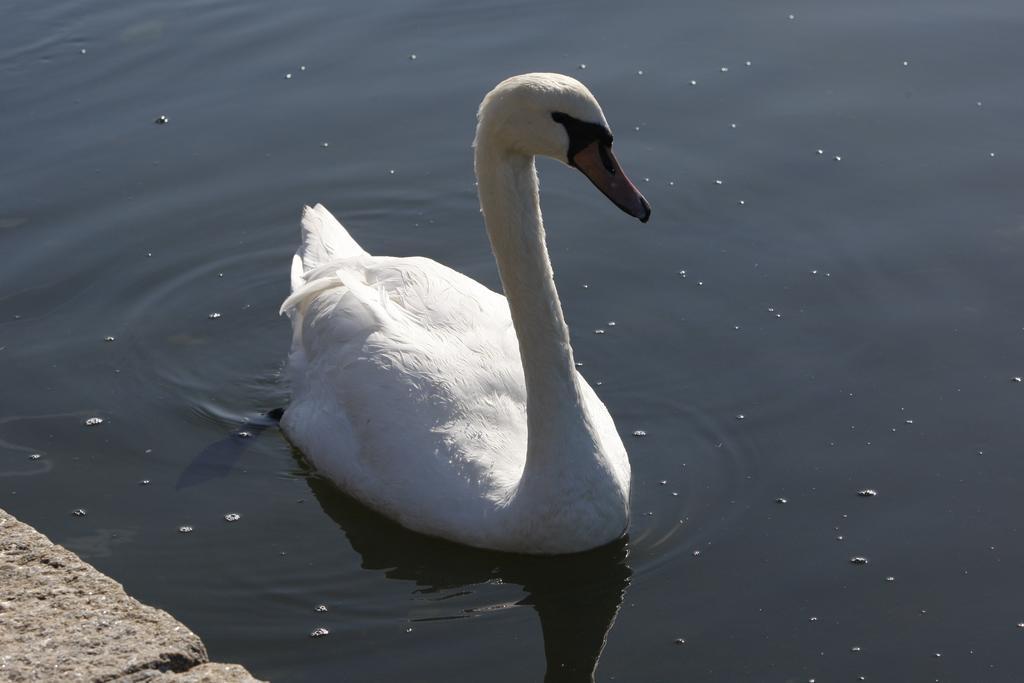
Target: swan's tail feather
[[323, 240], [306, 291], [326, 254], [298, 275]]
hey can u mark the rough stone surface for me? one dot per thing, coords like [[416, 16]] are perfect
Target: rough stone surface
[[204, 673], [62, 620]]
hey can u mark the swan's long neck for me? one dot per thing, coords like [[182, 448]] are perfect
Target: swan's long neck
[[509, 197]]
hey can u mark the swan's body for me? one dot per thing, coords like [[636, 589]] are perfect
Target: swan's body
[[441, 404]]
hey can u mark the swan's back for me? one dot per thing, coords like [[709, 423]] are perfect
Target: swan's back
[[407, 384]]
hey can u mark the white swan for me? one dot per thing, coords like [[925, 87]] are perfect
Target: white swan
[[441, 404]]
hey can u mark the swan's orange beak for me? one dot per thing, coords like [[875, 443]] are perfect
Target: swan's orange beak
[[597, 162]]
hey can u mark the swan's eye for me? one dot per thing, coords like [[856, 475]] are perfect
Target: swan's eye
[[582, 134]]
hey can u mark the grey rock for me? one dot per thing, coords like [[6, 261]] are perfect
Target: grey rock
[[62, 620], [204, 673]]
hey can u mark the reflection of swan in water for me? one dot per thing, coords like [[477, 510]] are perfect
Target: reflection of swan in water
[[577, 597]]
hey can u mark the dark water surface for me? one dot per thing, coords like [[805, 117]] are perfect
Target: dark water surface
[[864, 316]]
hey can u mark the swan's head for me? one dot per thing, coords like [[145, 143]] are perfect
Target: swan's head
[[556, 116]]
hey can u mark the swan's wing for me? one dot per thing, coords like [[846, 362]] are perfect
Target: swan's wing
[[407, 383], [414, 315]]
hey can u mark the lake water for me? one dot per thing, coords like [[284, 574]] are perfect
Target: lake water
[[851, 317]]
